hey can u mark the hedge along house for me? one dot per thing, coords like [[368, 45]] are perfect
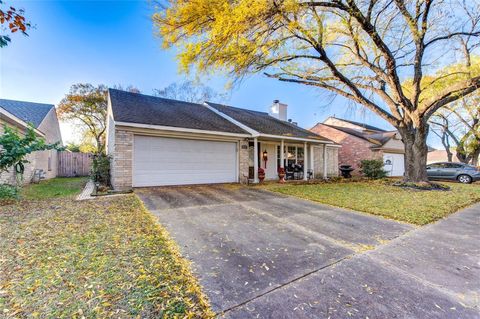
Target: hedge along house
[[43, 117], [157, 142]]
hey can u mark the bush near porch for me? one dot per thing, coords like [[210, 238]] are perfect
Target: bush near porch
[[381, 198], [92, 259]]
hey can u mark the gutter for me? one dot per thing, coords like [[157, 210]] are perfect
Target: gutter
[[282, 137]]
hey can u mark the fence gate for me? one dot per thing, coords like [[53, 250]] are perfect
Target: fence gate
[[74, 164]]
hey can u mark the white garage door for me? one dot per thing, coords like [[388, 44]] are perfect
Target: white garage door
[[394, 164], [159, 161]]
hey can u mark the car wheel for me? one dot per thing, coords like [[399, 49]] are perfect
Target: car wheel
[[465, 179]]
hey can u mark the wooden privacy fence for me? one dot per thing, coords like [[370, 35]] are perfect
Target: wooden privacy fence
[[74, 164]]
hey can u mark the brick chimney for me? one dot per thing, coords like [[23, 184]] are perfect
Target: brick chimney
[[278, 110]]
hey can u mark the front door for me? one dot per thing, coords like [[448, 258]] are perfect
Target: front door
[[270, 166]]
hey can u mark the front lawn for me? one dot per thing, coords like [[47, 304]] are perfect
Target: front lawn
[[92, 259], [54, 188], [381, 198]]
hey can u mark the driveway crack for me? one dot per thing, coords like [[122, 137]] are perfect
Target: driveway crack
[[223, 312]]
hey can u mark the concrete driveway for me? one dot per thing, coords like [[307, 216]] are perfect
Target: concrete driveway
[[264, 255]]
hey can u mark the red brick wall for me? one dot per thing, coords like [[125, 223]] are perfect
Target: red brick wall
[[353, 149]]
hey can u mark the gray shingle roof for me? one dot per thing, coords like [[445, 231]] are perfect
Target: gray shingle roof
[[376, 138], [365, 126], [264, 123], [146, 109], [29, 112]]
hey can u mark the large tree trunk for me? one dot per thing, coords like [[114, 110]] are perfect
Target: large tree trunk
[[416, 150], [476, 154]]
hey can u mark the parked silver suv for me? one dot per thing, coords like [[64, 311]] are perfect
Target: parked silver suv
[[463, 173]]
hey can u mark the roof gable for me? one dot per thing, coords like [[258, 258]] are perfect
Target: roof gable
[[29, 112], [361, 126], [145, 109], [264, 123], [378, 139]]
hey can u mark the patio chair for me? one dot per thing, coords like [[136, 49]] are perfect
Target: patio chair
[[289, 173], [298, 171]]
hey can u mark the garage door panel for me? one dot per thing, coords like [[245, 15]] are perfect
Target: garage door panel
[[394, 164], [159, 161]]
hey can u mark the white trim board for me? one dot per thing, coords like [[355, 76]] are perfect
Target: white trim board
[[232, 120], [180, 129], [291, 138]]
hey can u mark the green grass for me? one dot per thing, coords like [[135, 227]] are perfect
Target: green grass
[[381, 198], [54, 188], [92, 259]]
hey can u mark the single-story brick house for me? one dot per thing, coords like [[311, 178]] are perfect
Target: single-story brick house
[[362, 141], [155, 141], [43, 117]]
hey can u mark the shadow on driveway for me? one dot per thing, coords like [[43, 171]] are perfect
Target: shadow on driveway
[[264, 255]]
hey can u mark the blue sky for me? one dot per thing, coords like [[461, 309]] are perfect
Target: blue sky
[[114, 42]]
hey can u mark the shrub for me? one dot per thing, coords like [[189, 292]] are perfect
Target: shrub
[[14, 147], [373, 168], [101, 169], [8, 193]]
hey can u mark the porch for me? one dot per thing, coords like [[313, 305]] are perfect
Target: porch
[[298, 158]]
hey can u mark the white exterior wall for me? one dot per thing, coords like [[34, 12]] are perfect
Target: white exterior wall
[[110, 141]]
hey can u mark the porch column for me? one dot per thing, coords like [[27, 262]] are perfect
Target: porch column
[[305, 161], [255, 160], [325, 161], [311, 161], [282, 153]]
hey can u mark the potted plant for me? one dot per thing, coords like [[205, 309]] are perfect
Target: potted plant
[[281, 175], [261, 174]]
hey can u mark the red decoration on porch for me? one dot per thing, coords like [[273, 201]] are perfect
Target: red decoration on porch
[[261, 174], [281, 175]]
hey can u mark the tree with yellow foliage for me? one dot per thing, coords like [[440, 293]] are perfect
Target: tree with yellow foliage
[[363, 50]]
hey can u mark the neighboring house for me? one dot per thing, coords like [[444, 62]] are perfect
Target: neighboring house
[[435, 156], [360, 141], [43, 118], [155, 141]]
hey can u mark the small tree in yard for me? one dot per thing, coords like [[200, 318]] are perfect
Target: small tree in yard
[[14, 148], [373, 169], [87, 105], [387, 56]]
